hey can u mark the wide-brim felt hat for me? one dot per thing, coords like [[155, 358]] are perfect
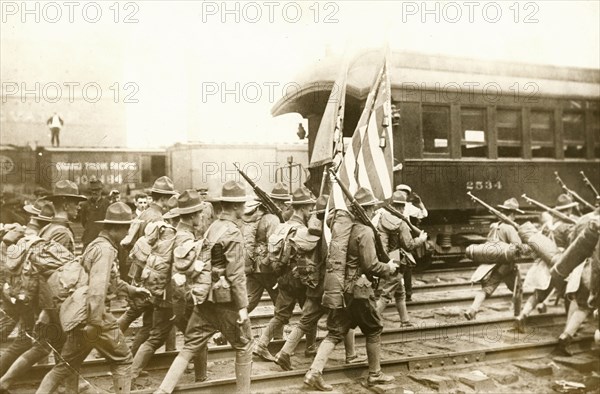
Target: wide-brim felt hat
[[36, 207], [65, 189], [511, 205], [564, 201], [399, 197], [46, 213], [233, 191], [189, 202], [302, 196], [117, 213], [171, 214], [280, 192], [365, 197], [163, 185]]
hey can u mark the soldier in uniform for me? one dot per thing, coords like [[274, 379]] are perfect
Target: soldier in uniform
[[260, 276], [214, 311], [66, 199], [362, 312], [491, 275], [92, 210], [396, 235], [538, 276], [189, 210], [161, 191], [97, 328], [312, 309], [291, 288]]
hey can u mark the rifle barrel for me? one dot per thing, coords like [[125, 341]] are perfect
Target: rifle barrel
[[552, 211], [493, 210], [572, 192], [590, 185]]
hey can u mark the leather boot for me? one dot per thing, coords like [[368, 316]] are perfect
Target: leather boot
[[141, 359], [315, 380], [562, 349], [200, 365], [374, 356], [260, 348], [173, 375], [243, 371]]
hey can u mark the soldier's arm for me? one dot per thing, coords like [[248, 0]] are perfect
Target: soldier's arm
[[99, 278], [233, 252], [64, 237], [134, 228], [367, 255], [407, 242]]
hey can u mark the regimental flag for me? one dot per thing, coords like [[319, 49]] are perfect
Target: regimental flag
[[330, 129], [368, 161]]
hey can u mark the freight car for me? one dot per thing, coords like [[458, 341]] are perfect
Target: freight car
[[496, 129], [22, 169]]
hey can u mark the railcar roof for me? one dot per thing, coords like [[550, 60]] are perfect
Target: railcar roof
[[429, 72]]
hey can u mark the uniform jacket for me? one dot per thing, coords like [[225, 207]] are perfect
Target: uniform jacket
[[101, 263], [362, 257], [91, 211], [185, 233], [232, 261], [60, 233], [266, 226]]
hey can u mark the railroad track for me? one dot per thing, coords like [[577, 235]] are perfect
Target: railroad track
[[426, 331]]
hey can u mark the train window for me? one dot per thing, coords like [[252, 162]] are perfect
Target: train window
[[574, 134], [436, 129], [596, 132], [508, 124], [473, 137], [542, 134]]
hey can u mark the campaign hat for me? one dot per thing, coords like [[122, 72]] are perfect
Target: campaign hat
[[117, 213]]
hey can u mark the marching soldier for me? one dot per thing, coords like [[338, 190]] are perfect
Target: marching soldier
[[161, 191], [66, 199], [92, 210], [97, 328], [395, 234], [312, 309], [491, 275], [221, 304], [291, 288], [260, 276], [361, 262], [538, 277], [189, 211]]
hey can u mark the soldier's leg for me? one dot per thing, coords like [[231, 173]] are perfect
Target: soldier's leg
[[23, 341], [488, 286], [161, 327], [48, 337], [338, 324], [201, 358], [199, 330], [268, 282], [132, 312], [255, 291], [111, 344], [9, 318], [408, 283], [76, 349], [364, 313], [400, 298], [284, 308], [240, 337], [387, 292], [143, 332]]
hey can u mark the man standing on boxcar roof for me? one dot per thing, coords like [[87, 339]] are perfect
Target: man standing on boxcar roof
[[93, 210]]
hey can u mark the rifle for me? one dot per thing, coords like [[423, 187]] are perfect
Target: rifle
[[360, 213], [571, 192], [589, 184], [553, 211], [493, 210], [264, 197], [417, 231]]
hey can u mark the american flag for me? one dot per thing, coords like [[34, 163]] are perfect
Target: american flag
[[368, 161]]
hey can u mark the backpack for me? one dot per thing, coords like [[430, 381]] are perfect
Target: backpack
[[335, 275], [44, 270], [156, 273], [248, 227], [279, 248]]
